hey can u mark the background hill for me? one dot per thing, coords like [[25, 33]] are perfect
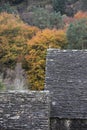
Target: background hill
[[26, 8]]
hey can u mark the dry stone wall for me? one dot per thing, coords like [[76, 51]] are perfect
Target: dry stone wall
[[24, 110]]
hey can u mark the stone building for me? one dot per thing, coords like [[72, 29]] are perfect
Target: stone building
[[66, 79], [63, 107]]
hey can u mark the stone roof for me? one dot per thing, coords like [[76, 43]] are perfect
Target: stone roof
[[66, 79]]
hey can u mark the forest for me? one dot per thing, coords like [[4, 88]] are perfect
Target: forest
[[28, 30]]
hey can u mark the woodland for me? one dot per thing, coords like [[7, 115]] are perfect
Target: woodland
[[29, 28]]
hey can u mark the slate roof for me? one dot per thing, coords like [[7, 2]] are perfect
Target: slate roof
[[66, 79]]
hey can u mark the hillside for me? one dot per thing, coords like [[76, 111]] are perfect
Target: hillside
[[25, 8]]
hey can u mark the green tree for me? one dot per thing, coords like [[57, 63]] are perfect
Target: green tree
[[15, 1], [77, 34], [59, 6], [83, 5], [43, 19], [6, 7]]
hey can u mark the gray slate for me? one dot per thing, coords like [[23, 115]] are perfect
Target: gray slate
[[66, 79], [24, 110]]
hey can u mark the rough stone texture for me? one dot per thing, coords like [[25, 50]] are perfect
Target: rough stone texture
[[57, 124], [24, 110], [66, 78], [67, 124]]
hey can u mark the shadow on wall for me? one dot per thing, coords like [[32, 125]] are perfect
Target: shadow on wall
[[68, 124]]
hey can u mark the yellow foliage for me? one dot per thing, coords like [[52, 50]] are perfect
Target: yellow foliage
[[14, 35], [20, 42], [37, 54]]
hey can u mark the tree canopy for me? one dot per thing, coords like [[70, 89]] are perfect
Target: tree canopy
[[77, 34]]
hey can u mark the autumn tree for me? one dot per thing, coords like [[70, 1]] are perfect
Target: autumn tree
[[37, 54], [80, 15], [14, 35], [20, 42]]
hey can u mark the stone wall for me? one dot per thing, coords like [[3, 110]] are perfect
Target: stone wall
[[24, 110], [68, 124], [67, 82], [66, 79]]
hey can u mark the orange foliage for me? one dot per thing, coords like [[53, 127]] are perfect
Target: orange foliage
[[49, 38], [37, 54], [22, 43], [14, 35], [80, 15]]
